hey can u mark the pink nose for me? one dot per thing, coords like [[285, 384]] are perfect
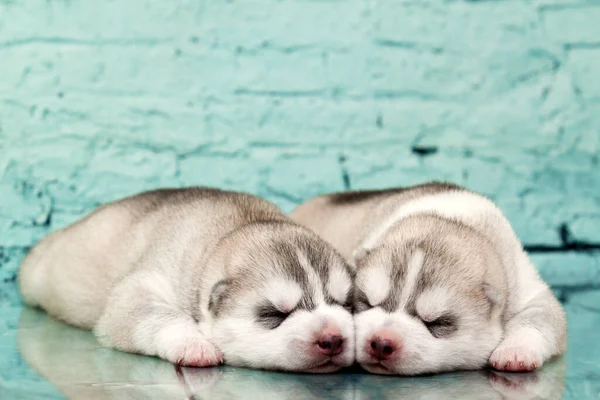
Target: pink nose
[[331, 344], [381, 348]]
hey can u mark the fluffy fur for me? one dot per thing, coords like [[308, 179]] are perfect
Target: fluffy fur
[[198, 277], [442, 282]]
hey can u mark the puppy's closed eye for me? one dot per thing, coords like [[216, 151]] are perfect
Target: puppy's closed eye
[[442, 326], [270, 316]]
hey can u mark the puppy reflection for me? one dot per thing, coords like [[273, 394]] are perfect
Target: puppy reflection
[[74, 362], [81, 368], [547, 383]]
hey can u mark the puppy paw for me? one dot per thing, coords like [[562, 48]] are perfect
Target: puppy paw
[[515, 358], [188, 348], [196, 352]]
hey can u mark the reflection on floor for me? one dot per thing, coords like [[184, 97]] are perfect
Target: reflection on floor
[[41, 358]]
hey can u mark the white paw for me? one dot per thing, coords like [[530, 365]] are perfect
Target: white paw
[[187, 347], [194, 352], [515, 358]]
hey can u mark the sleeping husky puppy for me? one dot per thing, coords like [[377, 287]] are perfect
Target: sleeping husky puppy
[[442, 282], [198, 277]]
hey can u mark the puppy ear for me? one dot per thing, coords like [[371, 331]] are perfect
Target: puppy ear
[[359, 255], [217, 295], [493, 295]]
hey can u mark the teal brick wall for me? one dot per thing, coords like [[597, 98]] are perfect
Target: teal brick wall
[[288, 99]]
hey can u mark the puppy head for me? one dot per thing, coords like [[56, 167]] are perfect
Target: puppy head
[[427, 302], [285, 304]]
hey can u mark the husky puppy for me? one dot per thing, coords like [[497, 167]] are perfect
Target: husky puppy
[[442, 282], [198, 277]]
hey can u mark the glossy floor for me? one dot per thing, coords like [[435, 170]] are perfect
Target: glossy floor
[[41, 358]]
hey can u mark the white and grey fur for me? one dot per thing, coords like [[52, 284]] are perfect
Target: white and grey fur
[[442, 282], [198, 276]]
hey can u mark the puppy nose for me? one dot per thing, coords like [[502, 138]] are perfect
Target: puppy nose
[[382, 349], [331, 344]]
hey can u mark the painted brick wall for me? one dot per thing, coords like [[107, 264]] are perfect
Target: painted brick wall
[[291, 98]]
